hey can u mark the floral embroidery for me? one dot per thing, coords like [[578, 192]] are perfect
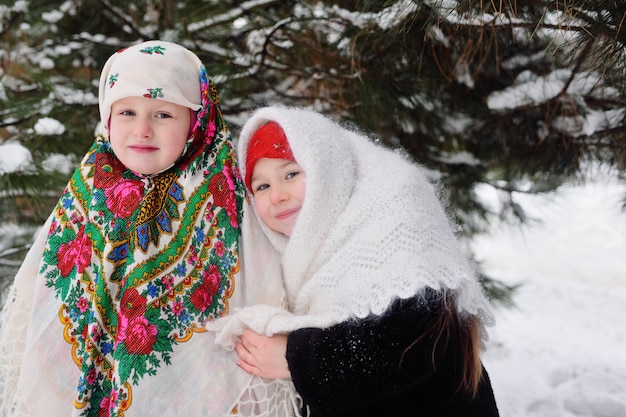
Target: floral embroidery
[[76, 253], [134, 330], [113, 79], [154, 93], [222, 186], [202, 297], [157, 50], [159, 212], [123, 198]]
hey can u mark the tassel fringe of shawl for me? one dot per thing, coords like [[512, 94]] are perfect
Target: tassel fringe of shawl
[[371, 230]]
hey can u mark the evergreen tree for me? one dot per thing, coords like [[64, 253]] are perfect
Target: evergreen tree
[[427, 76]]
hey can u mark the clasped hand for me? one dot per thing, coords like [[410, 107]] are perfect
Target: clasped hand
[[263, 356]]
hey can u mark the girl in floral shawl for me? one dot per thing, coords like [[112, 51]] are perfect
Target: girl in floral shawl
[[106, 315]]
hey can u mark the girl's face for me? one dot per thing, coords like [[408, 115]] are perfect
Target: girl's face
[[278, 186], [148, 135]]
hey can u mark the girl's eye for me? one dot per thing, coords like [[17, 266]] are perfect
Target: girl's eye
[[261, 187], [127, 113], [292, 174], [163, 116]]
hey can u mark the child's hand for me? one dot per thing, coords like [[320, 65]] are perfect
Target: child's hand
[[263, 356]]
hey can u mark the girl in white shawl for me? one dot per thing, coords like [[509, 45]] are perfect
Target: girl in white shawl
[[375, 310]]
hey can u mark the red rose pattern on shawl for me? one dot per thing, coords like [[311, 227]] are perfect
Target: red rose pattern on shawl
[[133, 328], [202, 297], [222, 187], [76, 253], [124, 198]]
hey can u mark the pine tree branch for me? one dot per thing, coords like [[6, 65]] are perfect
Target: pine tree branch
[[229, 16], [599, 137], [13, 121], [12, 251], [121, 16], [535, 26]]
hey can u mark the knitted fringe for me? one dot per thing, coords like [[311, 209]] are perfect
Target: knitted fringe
[[269, 398]]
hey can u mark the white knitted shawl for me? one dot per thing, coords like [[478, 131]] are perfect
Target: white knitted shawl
[[371, 230]]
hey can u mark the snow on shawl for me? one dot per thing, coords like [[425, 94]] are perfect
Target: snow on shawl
[[371, 229]]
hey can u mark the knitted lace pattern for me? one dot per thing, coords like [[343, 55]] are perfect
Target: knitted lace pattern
[[371, 230]]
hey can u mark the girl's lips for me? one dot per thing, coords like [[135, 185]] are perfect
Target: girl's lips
[[286, 213], [143, 149]]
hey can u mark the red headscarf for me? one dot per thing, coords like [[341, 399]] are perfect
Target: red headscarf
[[269, 141]]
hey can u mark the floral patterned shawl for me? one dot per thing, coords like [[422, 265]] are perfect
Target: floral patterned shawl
[[131, 267]]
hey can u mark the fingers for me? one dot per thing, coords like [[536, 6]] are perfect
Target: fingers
[[263, 356], [246, 359], [250, 338], [244, 352], [248, 342], [248, 348], [248, 368]]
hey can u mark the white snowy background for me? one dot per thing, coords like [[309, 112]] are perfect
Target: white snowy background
[[561, 351]]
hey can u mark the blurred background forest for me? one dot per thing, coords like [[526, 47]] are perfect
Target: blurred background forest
[[520, 95]]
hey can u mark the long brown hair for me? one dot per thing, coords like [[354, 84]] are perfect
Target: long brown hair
[[461, 333]]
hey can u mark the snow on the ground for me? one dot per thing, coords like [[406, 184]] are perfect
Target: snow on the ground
[[561, 352]]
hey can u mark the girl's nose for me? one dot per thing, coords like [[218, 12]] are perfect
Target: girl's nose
[[278, 195], [143, 128]]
